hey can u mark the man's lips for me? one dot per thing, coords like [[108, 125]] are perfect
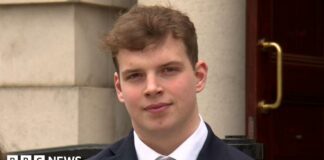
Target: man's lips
[[158, 107]]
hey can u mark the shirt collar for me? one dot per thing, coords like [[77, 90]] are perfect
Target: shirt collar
[[143, 151], [188, 150]]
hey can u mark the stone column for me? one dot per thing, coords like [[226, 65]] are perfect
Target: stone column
[[56, 85], [221, 37]]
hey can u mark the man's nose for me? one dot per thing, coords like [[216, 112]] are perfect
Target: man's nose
[[153, 87]]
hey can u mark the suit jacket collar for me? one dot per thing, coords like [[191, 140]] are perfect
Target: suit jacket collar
[[204, 153], [126, 150], [213, 148]]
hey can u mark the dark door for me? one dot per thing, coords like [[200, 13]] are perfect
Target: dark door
[[294, 131]]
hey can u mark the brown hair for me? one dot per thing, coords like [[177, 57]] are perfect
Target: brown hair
[[145, 25]]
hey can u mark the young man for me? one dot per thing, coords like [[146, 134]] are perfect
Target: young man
[[158, 76]]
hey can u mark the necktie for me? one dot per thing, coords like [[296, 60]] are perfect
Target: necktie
[[164, 158]]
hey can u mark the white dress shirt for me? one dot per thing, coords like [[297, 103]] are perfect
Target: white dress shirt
[[188, 150]]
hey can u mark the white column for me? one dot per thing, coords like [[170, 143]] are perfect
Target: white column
[[220, 27]]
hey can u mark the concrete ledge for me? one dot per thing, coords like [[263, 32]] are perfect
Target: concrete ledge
[[105, 3]]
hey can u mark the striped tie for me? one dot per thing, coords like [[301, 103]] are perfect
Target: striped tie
[[164, 158]]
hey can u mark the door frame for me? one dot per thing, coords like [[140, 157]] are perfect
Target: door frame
[[251, 68]]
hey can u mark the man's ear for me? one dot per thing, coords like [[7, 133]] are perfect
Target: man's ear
[[118, 87], [201, 70]]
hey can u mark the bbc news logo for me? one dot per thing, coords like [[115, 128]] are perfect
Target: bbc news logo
[[42, 157]]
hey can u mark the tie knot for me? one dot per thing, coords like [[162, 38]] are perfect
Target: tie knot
[[164, 158]]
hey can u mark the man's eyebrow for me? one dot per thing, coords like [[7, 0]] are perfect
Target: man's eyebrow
[[135, 70], [176, 63]]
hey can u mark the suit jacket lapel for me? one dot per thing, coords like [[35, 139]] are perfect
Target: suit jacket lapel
[[212, 148], [126, 151]]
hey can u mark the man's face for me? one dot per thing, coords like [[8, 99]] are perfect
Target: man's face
[[158, 86]]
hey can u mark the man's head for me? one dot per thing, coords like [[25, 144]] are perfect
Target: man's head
[[159, 74], [142, 26]]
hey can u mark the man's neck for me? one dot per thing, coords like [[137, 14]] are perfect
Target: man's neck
[[165, 142]]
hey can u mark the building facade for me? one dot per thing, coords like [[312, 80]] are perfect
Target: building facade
[[56, 78]]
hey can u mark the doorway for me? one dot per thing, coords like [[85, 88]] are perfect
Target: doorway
[[295, 130]]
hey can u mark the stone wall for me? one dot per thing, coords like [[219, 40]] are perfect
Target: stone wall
[[56, 85]]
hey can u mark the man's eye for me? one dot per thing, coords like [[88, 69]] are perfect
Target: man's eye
[[134, 76], [169, 70]]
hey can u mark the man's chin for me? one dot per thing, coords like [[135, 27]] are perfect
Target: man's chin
[[160, 128], [154, 126]]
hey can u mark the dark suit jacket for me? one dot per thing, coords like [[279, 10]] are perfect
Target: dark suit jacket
[[213, 149]]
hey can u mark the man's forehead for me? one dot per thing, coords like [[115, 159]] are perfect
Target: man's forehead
[[163, 43], [147, 63], [153, 55]]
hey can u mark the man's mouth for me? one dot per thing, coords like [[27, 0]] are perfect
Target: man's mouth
[[157, 107]]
